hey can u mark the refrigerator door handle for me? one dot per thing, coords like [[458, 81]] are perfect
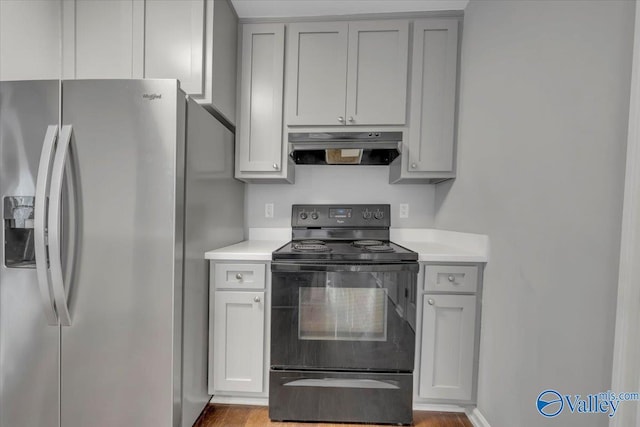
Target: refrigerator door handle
[[55, 225], [40, 224]]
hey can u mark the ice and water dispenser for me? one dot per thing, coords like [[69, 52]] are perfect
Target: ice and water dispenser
[[18, 232]]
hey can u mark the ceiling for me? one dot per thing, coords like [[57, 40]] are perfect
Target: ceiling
[[285, 8]]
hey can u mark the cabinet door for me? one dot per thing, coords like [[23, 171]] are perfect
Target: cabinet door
[[433, 95], [174, 42], [29, 40], [316, 73], [238, 341], [221, 59], [102, 39], [377, 72], [446, 357], [260, 142]]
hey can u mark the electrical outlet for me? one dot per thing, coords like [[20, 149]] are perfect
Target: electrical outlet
[[404, 210], [268, 210]]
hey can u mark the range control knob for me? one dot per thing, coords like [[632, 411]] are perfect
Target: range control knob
[[378, 215], [366, 214], [303, 215], [314, 215]]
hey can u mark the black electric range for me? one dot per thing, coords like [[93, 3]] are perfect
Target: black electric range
[[343, 316], [342, 233]]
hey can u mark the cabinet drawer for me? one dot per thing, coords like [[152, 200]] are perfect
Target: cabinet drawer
[[239, 276], [451, 278]]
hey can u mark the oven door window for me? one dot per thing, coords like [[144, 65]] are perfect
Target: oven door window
[[352, 314]]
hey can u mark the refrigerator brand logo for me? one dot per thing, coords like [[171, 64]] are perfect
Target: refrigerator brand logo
[[151, 96]]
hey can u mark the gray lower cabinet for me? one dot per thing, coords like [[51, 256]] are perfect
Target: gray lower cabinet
[[261, 149], [238, 319], [430, 145], [449, 335]]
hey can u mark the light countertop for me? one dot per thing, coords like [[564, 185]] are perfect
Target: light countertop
[[249, 250], [431, 245]]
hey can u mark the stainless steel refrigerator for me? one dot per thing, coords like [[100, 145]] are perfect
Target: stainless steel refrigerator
[[112, 190]]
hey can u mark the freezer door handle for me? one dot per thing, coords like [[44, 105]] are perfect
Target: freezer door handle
[[55, 224], [40, 224]]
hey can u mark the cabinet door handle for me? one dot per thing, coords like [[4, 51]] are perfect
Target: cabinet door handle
[[341, 119], [451, 278], [430, 301], [239, 276], [351, 120], [413, 165], [256, 299], [275, 166]]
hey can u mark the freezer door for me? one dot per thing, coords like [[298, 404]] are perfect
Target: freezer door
[[121, 354], [29, 348]]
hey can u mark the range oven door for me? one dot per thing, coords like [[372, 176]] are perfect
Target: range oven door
[[343, 317]]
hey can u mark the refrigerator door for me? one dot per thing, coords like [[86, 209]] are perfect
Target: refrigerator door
[[121, 354], [29, 348]]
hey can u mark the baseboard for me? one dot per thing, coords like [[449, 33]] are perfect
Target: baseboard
[[438, 407], [235, 400], [476, 418]]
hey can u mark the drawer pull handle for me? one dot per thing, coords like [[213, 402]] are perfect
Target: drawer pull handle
[[430, 301], [256, 299], [451, 278], [239, 276]]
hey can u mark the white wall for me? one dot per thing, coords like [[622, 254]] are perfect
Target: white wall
[[340, 184], [542, 134]]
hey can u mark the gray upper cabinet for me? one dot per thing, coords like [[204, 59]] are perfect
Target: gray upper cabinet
[[102, 39], [261, 149], [347, 73], [377, 73], [71, 39], [316, 73], [431, 138], [195, 42]]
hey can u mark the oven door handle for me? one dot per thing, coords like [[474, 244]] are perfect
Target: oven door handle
[[343, 383], [351, 268]]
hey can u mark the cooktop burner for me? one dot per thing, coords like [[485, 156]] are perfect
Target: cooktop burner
[[365, 243], [310, 242], [379, 248]]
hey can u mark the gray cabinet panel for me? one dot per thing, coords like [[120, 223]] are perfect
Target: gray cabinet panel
[[238, 341], [377, 72], [260, 141], [102, 39], [433, 89], [30, 39], [194, 41], [316, 70], [446, 362], [174, 40]]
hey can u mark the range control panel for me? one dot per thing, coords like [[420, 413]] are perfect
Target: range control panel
[[354, 216]]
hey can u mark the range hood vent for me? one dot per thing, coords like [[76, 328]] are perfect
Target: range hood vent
[[344, 148]]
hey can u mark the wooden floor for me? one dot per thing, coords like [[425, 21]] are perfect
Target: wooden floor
[[258, 416]]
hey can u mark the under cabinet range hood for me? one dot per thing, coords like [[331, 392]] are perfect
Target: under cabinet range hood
[[344, 148]]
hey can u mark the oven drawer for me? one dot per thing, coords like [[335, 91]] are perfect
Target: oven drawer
[[363, 397], [451, 278], [239, 276]]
